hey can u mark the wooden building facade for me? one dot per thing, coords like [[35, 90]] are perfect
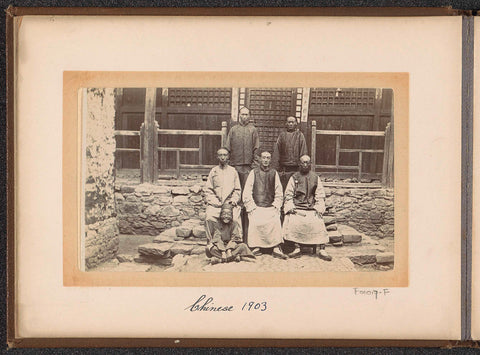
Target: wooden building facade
[[345, 127]]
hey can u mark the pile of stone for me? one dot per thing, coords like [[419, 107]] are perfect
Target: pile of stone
[[187, 239], [360, 249], [190, 239]]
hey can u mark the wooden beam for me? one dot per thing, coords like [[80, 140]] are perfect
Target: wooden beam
[[345, 150], [196, 166], [352, 133], [345, 167], [179, 109], [149, 158], [127, 150], [126, 133], [174, 149], [190, 132], [352, 185]]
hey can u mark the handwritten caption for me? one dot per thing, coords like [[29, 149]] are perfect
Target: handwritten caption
[[375, 293], [207, 304]]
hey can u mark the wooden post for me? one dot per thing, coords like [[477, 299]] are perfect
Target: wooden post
[[200, 150], [314, 145], [121, 119], [337, 151], [149, 161], [391, 158], [235, 104], [375, 127], [224, 134], [305, 106], [387, 174], [178, 164], [163, 119], [360, 158]]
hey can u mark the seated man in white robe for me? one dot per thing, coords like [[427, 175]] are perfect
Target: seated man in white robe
[[262, 197], [304, 205], [222, 186]]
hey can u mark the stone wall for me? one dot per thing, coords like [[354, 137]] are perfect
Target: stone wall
[[369, 211], [151, 209], [101, 231]]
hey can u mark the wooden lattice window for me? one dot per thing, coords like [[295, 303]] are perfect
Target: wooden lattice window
[[269, 108], [182, 97], [338, 97]]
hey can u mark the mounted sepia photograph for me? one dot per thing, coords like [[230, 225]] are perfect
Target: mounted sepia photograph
[[237, 179]]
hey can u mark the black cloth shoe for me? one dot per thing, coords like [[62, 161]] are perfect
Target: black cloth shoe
[[322, 254], [296, 253]]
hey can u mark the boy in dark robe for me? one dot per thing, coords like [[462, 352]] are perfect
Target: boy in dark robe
[[226, 244]]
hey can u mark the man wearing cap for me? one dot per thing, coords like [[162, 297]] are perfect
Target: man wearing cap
[[262, 197], [288, 149], [304, 205], [226, 244], [222, 186]]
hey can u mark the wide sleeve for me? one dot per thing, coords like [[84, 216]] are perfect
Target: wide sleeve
[[277, 201], [228, 142], [276, 154], [303, 145], [319, 197], [248, 193], [236, 195], [217, 240], [288, 203], [236, 237], [210, 196], [255, 148]]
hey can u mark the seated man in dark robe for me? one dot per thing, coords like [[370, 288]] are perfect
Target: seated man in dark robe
[[304, 205], [226, 244]]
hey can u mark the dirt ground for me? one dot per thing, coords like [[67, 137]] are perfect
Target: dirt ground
[[264, 263]]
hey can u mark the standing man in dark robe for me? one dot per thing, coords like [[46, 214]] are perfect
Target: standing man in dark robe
[[288, 149], [304, 205], [243, 143], [262, 197]]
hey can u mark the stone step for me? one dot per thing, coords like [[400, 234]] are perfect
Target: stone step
[[155, 249], [350, 235], [345, 234]]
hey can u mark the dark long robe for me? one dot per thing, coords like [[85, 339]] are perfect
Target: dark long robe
[[227, 236], [242, 143], [288, 149]]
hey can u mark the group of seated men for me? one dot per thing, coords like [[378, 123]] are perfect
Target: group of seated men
[[262, 198], [247, 200]]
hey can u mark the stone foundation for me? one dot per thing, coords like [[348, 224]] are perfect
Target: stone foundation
[[369, 211], [101, 231], [151, 209]]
